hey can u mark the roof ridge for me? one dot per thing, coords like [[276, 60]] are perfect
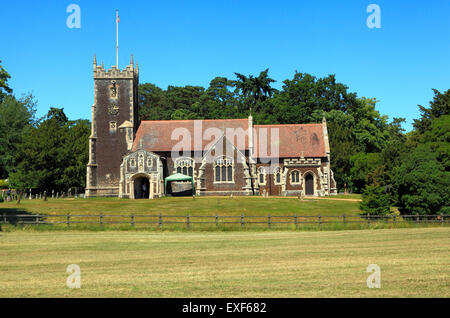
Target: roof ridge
[[188, 120], [310, 124]]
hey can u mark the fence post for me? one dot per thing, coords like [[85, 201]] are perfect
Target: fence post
[[320, 220], [160, 220], [132, 219], [37, 219], [344, 218], [68, 220], [269, 221], [394, 217], [368, 219], [187, 221], [417, 217], [101, 219], [242, 220], [217, 220], [296, 221]]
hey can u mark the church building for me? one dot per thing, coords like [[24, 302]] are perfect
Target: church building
[[133, 158]]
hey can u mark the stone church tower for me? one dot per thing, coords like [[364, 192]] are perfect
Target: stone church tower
[[114, 123]]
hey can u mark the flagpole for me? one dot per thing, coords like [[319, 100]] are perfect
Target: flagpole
[[117, 38]]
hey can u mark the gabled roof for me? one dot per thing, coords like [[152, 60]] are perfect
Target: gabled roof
[[293, 140], [299, 140], [156, 135]]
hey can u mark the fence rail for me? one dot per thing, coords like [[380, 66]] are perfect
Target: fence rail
[[188, 220]]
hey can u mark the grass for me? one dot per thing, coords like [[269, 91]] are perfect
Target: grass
[[184, 205], [126, 214], [413, 262]]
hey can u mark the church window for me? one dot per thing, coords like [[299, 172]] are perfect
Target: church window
[[223, 170], [185, 166], [278, 175], [262, 176], [295, 177]]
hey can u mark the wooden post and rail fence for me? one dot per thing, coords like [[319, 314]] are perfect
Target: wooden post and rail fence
[[188, 220]]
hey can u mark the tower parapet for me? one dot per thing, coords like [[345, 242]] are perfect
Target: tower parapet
[[114, 72]]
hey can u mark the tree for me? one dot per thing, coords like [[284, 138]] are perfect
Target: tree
[[16, 117], [439, 106], [422, 183], [254, 90], [437, 137], [76, 149], [4, 88], [152, 104], [364, 165], [375, 200], [53, 154]]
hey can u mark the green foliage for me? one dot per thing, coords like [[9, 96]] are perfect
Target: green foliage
[[422, 179], [422, 183], [4, 77], [16, 117], [4, 184], [364, 165], [439, 106], [53, 154], [438, 138], [375, 200]]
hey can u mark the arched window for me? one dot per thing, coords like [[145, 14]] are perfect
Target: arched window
[[185, 166], [262, 176], [295, 177], [223, 170], [278, 175]]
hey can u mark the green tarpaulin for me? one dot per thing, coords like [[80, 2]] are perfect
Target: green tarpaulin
[[178, 177]]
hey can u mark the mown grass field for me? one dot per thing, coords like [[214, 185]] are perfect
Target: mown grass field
[[202, 213], [184, 205], [413, 262]]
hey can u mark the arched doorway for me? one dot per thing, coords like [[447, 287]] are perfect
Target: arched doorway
[[309, 184], [141, 188]]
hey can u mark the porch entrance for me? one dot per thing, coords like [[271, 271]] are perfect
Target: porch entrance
[[309, 184], [141, 188]]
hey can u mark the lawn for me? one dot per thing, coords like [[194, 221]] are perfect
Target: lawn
[[202, 213], [413, 262], [184, 205], [231, 212]]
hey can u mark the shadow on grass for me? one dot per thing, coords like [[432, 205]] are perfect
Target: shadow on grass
[[16, 216]]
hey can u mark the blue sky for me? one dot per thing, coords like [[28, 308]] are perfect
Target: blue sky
[[191, 42]]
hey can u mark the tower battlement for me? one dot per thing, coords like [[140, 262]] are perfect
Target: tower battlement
[[129, 72]]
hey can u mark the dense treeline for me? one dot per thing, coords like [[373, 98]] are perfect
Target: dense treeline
[[48, 153], [370, 154]]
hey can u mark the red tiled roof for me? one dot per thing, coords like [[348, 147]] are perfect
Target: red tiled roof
[[305, 140], [156, 135]]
